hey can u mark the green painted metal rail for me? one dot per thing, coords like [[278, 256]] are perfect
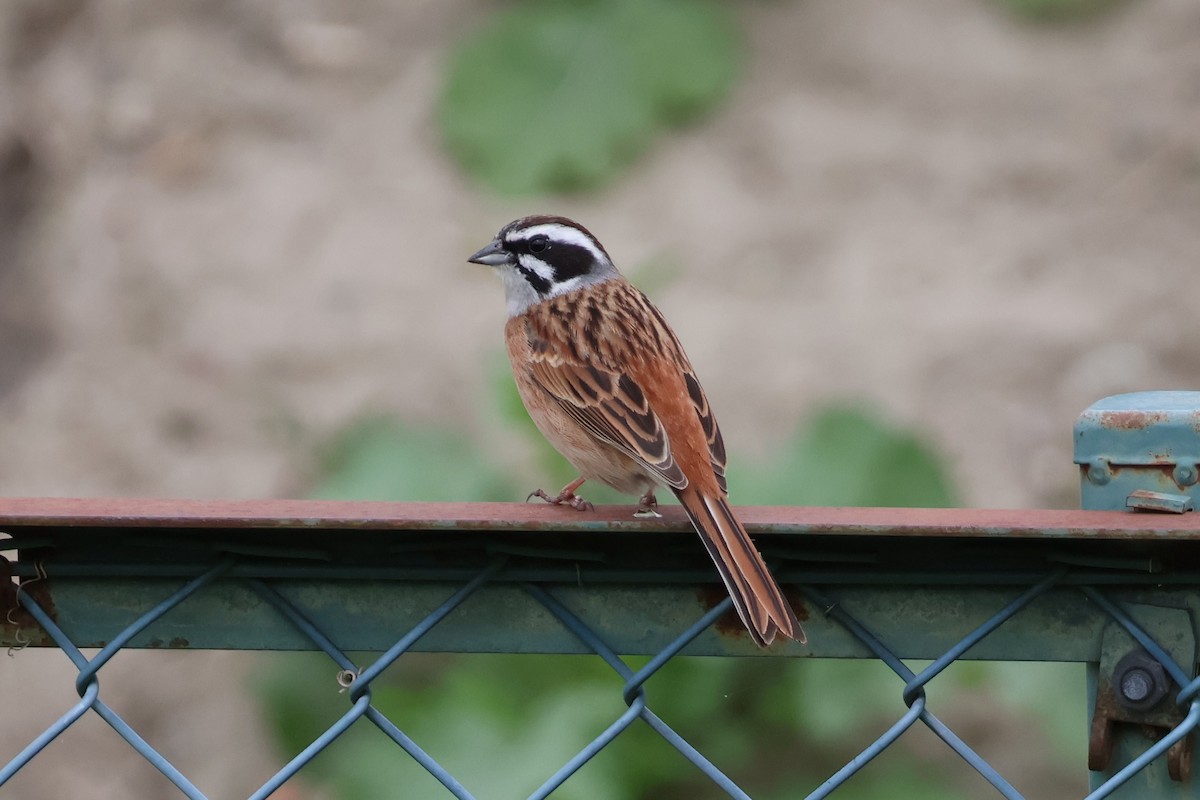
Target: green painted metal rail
[[923, 577]]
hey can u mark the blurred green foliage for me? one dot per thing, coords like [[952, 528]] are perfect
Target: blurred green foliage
[[557, 95], [1059, 10], [380, 458], [848, 456]]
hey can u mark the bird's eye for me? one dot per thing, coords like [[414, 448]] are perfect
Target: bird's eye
[[538, 244]]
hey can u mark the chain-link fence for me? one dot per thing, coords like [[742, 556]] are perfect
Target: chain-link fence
[[1113, 589]]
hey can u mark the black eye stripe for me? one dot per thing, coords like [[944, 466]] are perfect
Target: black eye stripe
[[534, 245], [566, 260], [547, 261]]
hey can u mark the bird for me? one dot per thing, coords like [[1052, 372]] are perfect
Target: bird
[[606, 381]]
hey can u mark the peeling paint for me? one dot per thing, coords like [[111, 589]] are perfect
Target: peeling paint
[[1131, 420]]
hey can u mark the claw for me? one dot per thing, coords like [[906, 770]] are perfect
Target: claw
[[566, 497], [647, 507], [579, 504]]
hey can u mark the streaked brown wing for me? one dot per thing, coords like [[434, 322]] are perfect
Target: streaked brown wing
[[613, 408], [716, 445], [674, 351]]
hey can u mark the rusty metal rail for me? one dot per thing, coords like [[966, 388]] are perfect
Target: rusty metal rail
[[105, 555], [892, 584], [43, 513]]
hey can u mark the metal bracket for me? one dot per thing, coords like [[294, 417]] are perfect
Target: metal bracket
[[1146, 500], [1135, 697]]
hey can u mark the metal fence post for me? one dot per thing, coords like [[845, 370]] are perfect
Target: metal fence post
[[1140, 452]]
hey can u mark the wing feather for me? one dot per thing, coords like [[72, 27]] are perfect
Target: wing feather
[[613, 408], [716, 444]]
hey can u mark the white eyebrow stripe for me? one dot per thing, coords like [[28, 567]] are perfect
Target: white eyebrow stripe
[[562, 233]]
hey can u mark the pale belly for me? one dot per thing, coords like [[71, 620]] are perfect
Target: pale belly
[[594, 459]]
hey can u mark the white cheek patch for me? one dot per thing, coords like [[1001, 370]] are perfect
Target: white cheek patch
[[537, 267]]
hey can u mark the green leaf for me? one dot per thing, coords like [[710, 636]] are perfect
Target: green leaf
[[556, 95], [848, 457], [383, 459]]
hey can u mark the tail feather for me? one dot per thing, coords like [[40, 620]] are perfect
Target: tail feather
[[756, 597]]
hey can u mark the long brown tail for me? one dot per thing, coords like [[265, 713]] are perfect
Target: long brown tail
[[756, 596]]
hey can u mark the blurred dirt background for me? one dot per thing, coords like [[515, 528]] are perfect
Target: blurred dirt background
[[228, 228]]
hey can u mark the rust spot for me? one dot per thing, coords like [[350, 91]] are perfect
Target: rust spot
[[39, 590], [26, 632], [178, 642], [797, 601], [1179, 760], [1130, 420], [1100, 742], [155, 643], [728, 624], [1153, 732], [1167, 470]]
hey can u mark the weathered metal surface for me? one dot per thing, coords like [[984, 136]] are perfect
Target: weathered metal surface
[[17, 628], [31, 516], [372, 615], [1146, 441], [1119, 723], [1162, 502], [367, 571], [1141, 451]]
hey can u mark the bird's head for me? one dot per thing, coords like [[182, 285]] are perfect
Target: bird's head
[[542, 257]]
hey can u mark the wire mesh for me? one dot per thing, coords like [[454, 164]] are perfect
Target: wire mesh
[[635, 692]]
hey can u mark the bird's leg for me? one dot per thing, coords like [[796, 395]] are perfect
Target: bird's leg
[[567, 496], [647, 506]]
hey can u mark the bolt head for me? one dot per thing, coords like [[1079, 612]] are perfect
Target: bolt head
[[1136, 685], [1098, 473], [1140, 681], [1185, 474]]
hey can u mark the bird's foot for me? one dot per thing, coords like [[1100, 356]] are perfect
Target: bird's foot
[[647, 507], [566, 497]]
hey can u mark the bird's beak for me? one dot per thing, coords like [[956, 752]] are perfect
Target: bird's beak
[[492, 256]]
